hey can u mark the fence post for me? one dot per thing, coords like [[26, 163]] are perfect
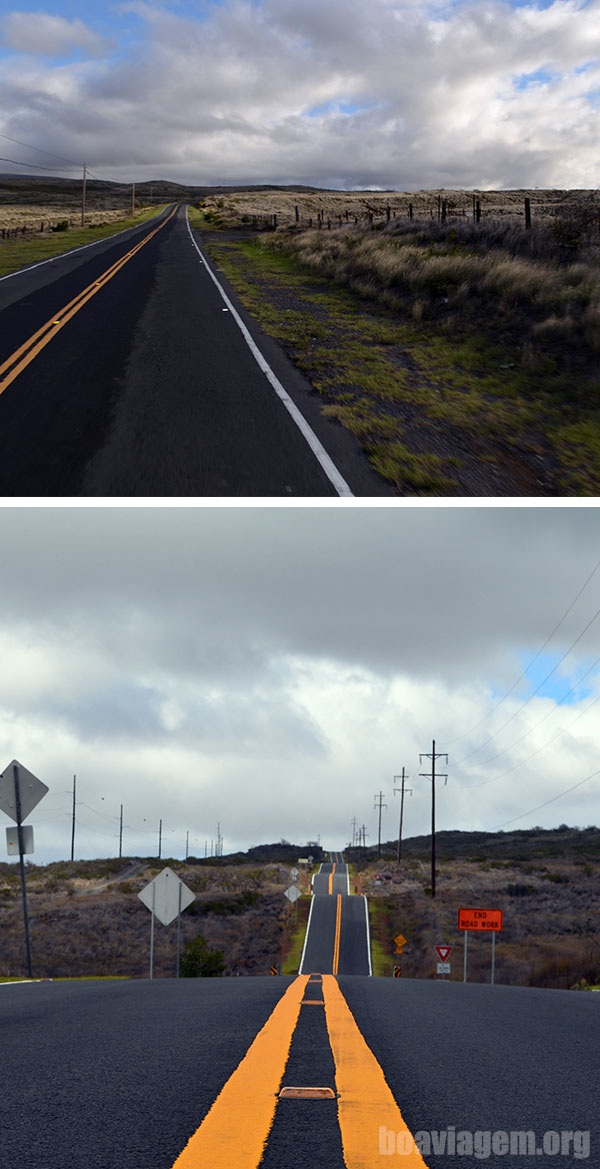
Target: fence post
[[388, 212], [478, 211], [444, 210], [410, 210], [297, 214], [527, 214]]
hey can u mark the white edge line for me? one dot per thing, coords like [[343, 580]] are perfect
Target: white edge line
[[312, 901], [368, 935], [348, 878], [317, 448], [73, 252]]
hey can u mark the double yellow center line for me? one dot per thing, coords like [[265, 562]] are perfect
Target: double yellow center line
[[236, 1129], [338, 930], [25, 354]]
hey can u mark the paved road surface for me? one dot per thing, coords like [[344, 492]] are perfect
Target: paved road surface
[[107, 1075], [123, 372], [337, 939]]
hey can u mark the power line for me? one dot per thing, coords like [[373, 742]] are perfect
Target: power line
[[536, 691], [39, 151], [549, 713], [552, 801], [531, 663], [35, 165], [534, 753]]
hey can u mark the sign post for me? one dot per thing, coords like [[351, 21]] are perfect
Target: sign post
[[482, 920], [166, 896], [20, 792]]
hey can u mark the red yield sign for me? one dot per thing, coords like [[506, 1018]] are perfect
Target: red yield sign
[[443, 952], [480, 919]]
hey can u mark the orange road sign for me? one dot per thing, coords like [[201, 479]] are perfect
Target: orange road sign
[[480, 919], [397, 972]]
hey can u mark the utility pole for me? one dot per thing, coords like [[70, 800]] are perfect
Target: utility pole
[[83, 196], [433, 756], [402, 790], [73, 825], [159, 837], [353, 831], [121, 831], [379, 804], [22, 866], [133, 199], [187, 844], [363, 832]]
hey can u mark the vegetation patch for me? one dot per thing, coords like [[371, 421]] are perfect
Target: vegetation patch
[[465, 362], [31, 249]]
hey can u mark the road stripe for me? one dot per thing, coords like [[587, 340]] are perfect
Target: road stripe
[[72, 252], [338, 929], [235, 1130], [29, 350], [368, 927], [312, 901], [365, 1103], [325, 461]]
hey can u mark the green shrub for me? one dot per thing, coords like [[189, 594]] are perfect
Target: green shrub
[[198, 961], [62, 226]]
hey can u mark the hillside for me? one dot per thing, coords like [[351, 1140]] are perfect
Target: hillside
[[86, 918], [546, 883]]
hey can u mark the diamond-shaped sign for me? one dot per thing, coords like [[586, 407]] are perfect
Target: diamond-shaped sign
[[31, 791], [292, 893], [162, 895]]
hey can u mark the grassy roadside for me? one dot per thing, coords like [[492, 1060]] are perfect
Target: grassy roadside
[[382, 962], [295, 942], [449, 391], [20, 253]]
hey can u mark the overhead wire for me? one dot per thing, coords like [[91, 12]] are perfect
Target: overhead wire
[[551, 801], [524, 673], [548, 715], [533, 694]]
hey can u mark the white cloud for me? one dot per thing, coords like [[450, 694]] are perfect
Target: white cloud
[[273, 668], [52, 36], [227, 97]]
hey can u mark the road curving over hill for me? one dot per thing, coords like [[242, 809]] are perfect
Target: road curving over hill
[[337, 936]]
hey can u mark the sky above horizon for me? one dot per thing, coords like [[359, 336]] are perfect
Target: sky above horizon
[[405, 94], [272, 669]]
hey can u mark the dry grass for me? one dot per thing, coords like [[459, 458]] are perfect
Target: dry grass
[[551, 935]]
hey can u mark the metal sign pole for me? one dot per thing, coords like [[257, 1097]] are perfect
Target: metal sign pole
[[465, 965], [22, 866], [152, 930], [179, 927], [493, 954]]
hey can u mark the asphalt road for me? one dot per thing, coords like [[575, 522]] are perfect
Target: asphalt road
[[111, 1075], [150, 388], [337, 940]]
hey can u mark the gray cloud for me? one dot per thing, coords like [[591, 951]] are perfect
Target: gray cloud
[[430, 95], [268, 667]]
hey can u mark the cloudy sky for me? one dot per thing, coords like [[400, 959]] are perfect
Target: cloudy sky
[[273, 668], [391, 93]]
